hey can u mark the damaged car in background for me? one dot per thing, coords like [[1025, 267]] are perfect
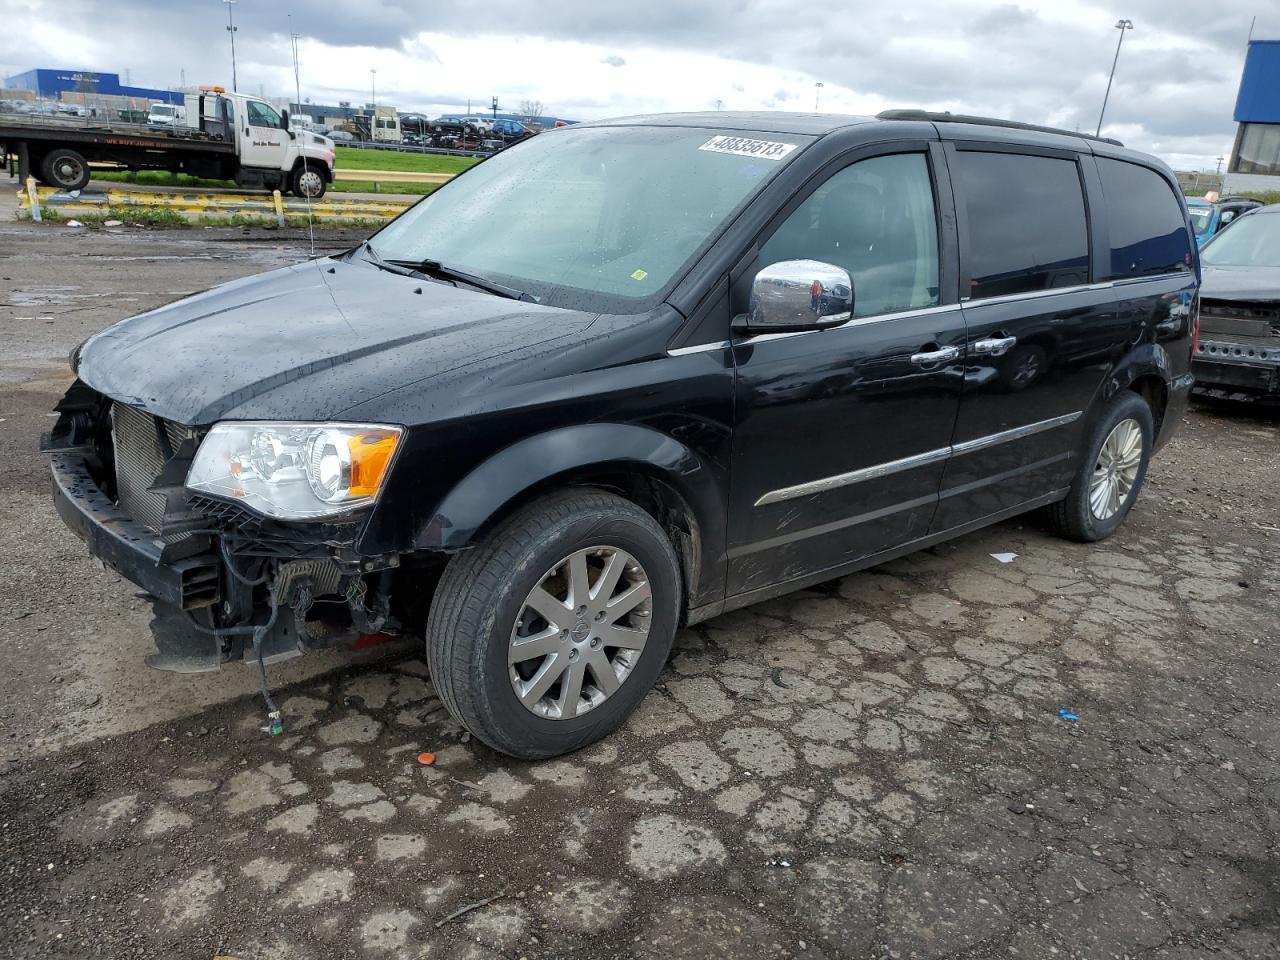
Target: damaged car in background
[[629, 375], [1238, 352]]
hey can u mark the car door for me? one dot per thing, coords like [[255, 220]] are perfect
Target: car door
[[1042, 334], [264, 140], [841, 434]]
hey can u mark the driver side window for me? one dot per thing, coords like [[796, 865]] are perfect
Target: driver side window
[[260, 115], [876, 219]]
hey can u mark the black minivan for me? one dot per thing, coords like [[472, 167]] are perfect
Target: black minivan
[[626, 376]]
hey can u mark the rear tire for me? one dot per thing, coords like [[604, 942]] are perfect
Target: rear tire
[[482, 610], [1110, 474], [64, 169]]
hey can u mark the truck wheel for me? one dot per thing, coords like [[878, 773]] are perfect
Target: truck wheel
[[1113, 465], [308, 181], [547, 635], [64, 169]]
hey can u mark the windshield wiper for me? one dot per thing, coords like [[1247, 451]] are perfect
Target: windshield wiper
[[372, 256], [434, 268]]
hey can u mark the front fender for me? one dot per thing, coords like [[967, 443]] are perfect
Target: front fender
[[575, 453]]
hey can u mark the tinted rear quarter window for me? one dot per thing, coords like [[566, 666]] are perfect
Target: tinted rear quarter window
[[1026, 223], [1148, 234]]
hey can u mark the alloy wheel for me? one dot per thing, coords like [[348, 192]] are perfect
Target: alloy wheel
[[580, 632], [1116, 470]]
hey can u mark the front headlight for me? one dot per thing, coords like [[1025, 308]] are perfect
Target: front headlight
[[294, 471]]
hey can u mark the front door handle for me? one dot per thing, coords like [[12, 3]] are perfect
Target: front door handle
[[993, 346], [930, 357]]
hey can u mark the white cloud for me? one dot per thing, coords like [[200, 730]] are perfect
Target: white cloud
[[1042, 62]]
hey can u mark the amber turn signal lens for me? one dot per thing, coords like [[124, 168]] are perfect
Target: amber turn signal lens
[[370, 456]]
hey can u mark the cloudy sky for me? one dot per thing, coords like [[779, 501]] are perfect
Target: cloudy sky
[[584, 59]]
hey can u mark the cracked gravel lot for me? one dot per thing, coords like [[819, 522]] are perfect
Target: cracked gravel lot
[[873, 768]]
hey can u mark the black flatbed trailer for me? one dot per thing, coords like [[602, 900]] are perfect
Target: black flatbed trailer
[[57, 150]]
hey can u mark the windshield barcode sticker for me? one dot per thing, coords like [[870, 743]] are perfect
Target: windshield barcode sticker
[[742, 147]]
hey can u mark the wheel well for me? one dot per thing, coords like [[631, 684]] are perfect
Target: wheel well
[[1153, 390], [318, 164], [658, 499]]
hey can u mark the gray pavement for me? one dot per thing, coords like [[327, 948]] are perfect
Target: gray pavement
[[873, 768]]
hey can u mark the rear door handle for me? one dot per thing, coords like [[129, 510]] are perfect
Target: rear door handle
[[930, 357], [993, 346]]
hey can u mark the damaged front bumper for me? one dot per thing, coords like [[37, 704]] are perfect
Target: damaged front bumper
[[185, 575], [1237, 367], [224, 582]]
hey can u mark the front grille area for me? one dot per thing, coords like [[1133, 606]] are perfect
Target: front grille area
[[142, 444]]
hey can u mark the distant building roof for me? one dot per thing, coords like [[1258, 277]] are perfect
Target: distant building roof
[[52, 83]]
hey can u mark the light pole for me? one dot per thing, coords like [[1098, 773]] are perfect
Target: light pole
[[231, 29], [373, 107], [1122, 26], [817, 92]]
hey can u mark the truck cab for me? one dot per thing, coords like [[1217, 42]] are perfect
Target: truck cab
[[270, 151], [386, 125]]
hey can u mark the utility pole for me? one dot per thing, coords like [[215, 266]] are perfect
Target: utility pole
[[817, 92], [495, 108], [373, 108], [1122, 26], [231, 29], [1219, 170]]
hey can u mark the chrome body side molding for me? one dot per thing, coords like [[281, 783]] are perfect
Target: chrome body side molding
[[879, 470]]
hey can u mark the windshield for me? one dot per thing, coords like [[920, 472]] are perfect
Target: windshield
[[1251, 242], [1201, 217], [596, 218]]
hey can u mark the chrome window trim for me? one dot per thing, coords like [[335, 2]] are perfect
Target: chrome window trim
[[1170, 275], [698, 348], [853, 322], [879, 470], [1038, 294], [1017, 433]]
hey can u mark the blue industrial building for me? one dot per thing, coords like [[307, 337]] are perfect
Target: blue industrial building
[[52, 84], [1255, 157]]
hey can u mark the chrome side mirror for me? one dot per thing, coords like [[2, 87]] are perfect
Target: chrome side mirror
[[799, 295]]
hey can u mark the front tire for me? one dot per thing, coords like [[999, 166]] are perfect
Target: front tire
[[1113, 466], [308, 181], [547, 635]]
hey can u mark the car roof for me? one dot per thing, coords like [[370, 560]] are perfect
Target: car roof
[[765, 121], [908, 123]]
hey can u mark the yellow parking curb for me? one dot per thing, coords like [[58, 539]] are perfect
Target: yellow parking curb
[[211, 204]]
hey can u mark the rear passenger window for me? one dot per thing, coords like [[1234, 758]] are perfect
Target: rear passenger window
[[1148, 235], [1026, 222]]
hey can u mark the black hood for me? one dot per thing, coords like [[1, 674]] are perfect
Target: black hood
[[1240, 283], [307, 342]]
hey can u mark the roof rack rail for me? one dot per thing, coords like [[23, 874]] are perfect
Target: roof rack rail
[[947, 117]]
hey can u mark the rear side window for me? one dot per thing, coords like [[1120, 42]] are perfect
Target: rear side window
[[1148, 235], [1026, 222]]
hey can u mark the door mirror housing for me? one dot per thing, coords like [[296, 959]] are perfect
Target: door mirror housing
[[799, 295]]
